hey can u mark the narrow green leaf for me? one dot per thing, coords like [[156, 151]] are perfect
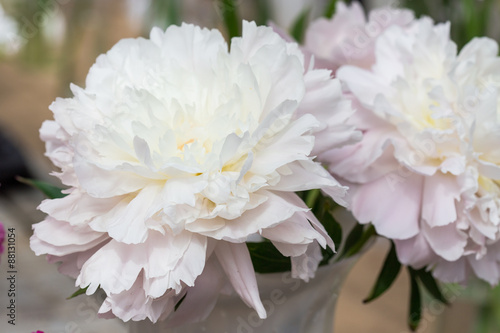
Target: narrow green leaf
[[80, 291], [430, 285], [50, 191], [180, 302], [334, 230], [353, 237], [365, 236], [229, 9], [330, 8], [415, 308], [332, 227], [299, 26], [267, 259], [387, 275]]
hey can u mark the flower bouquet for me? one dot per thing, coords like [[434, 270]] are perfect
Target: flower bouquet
[[195, 170]]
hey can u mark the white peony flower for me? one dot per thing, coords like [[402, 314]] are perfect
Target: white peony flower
[[177, 152], [427, 171]]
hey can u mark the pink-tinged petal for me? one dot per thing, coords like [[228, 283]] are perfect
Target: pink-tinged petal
[[331, 108], [291, 250], [438, 201], [306, 175], [264, 51], [414, 251], [172, 260], [446, 241], [304, 266], [289, 146], [364, 84], [273, 211], [60, 238], [317, 225], [133, 304], [481, 225], [365, 161], [71, 264], [101, 183], [78, 207], [331, 40], [486, 268], [392, 206], [451, 272], [59, 233], [169, 267], [202, 297], [236, 262], [296, 230], [128, 225], [114, 268]]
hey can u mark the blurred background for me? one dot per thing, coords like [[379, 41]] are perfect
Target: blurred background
[[47, 44]]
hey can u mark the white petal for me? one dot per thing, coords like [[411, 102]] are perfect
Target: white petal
[[236, 262]]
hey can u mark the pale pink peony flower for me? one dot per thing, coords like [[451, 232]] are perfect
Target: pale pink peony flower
[[177, 152], [348, 37], [427, 172]]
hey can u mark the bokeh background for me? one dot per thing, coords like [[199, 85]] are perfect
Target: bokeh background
[[47, 44]]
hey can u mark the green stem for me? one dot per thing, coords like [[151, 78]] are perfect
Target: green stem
[[229, 10], [311, 197]]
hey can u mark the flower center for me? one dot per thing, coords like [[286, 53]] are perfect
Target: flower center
[[488, 186]]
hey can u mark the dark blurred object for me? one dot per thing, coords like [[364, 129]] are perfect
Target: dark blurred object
[[12, 163]]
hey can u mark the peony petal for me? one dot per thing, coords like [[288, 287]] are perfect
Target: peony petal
[[236, 262], [391, 204], [304, 266], [202, 297], [438, 201], [414, 252], [273, 211], [446, 241]]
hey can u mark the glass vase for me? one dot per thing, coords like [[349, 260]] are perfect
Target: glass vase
[[293, 306]]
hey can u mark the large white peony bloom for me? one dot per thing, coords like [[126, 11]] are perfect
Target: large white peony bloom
[[175, 153], [427, 171]]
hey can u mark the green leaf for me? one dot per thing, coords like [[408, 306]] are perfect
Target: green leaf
[[415, 308], [229, 9], [50, 191], [334, 230], [300, 24], [357, 239], [267, 259], [430, 285], [387, 275], [180, 302], [354, 237], [332, 227], [78, 292], [330, 8]]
